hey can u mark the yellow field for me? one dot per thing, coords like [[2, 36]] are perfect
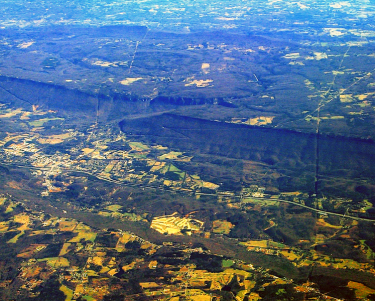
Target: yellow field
[[113, 208], [254, 297], [4, 226], [278, 281], [218, 280], [67, 292], [222, 227], [126, 237], [364, 96], [160, 147], [129, 80], [87, 150], [67, 225], [169, 183], [205, 65], [64, 250], [38, 232], [11, 113], [80, 289], [122, 241], [157, 166], [261, 120], [54, 139], [361, 291], [104, 213], [110, 166], [332, 117], [320, 55], [290, 255], [173, 224], [91, 273], [170, 155], [199, 296], [10, 207], [84, 234], [96, 260], [323, 223], [13, 137], [146, 285], [56, 262], [348, 264], [256, 243], [165, 226], [209, 185], [104, 270], [105, 64], [293, 193], [117, 214], [22, 219], [346, 98], [249, 284], [82, 227], [146, 245], [200, 83], [294, 55], [25, 45], [128, 267]]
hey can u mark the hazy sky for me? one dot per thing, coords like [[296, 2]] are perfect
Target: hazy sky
[[187, 14]]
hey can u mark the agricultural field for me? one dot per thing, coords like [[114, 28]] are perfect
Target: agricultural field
[[361, 291], [221, 227], [173, 224], [194, 150], [100, 262], [83, 233]]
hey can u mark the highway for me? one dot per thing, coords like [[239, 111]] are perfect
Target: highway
[[316, 210]]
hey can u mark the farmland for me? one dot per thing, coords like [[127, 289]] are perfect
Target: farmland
[[160, 150], [173, 224]]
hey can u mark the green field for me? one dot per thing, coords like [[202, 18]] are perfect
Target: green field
[[227, 263], [262, 202], [41, 122], [138, 146], [56, 262], [86, 235]]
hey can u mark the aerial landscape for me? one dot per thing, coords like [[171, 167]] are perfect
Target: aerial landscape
[[187, 150]]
